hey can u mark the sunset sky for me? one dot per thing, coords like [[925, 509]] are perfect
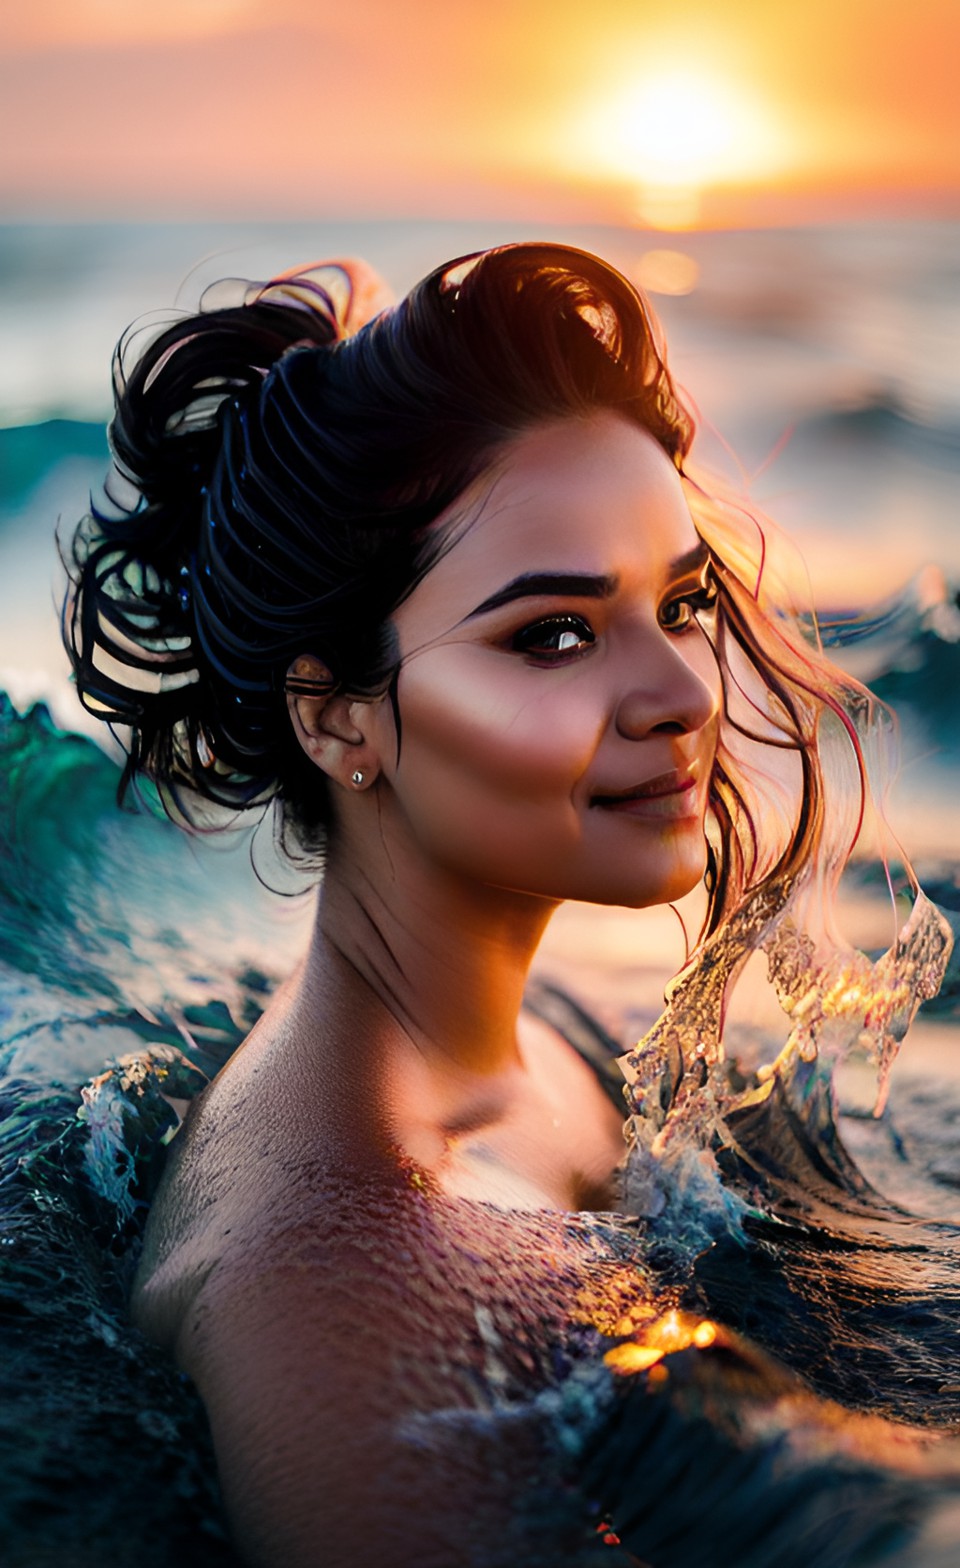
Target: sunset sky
[[714, 111]]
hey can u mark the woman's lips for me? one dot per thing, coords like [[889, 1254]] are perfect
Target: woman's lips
[[670, 796]]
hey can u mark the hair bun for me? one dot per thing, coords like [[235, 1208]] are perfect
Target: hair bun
[[285, 471], [349, 292], [128, 621]]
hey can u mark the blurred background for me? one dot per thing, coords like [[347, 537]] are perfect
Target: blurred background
[[784, 180]]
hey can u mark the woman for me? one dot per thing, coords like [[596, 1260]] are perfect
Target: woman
[[435, 586]]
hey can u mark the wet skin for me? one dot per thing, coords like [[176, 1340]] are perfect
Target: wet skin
[[555, 744]]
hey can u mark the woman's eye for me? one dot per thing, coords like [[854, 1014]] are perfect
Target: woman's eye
[[554, 637], [681, 612]]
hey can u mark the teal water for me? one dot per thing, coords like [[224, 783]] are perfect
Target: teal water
[[114, 926]]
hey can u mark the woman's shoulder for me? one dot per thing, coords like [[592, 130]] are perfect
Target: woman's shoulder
[[346, 1335], [214, 1197], [262, 1170]]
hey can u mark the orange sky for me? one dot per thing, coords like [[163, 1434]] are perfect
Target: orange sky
[[755, 110]]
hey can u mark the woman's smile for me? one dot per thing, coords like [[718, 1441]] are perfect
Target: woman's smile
[[672, 795], [556, 682]]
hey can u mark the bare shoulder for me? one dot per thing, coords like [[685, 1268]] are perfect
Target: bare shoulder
[[376, 1339], [226, 1159], [344, 1322], [343, 1318]]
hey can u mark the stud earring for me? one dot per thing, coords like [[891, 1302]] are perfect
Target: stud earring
[[358, 778]]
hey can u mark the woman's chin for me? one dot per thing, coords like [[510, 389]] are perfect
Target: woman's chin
[[635, 893]]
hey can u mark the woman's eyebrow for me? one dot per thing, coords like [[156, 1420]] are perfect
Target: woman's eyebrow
[[579, 585], [571, 585]]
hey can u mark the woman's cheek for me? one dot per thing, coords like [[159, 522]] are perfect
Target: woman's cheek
[[488, 774], [527, 736]]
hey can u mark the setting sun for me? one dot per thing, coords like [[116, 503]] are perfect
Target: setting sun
[[701, 114], [674, 132]]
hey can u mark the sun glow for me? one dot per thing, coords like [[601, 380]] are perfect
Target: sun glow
[[673, 133]]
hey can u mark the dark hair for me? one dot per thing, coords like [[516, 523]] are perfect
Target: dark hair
[[285, 478]]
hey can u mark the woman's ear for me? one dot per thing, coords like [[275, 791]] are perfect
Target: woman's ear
[[329, 725]]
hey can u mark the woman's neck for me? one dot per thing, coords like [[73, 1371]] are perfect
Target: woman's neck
[[446, 958]]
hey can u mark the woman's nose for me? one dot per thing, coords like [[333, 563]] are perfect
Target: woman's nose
[[670, 695]]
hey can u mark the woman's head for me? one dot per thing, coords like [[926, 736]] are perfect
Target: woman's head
[[289, 481], [289, 477], [558, 697]]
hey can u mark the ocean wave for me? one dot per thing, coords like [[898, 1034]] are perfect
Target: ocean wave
[[29, 452], [115, 927], [884, 420], [906, 648], [756, 1216]]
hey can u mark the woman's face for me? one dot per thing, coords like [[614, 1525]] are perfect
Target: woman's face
[[558, 696]]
